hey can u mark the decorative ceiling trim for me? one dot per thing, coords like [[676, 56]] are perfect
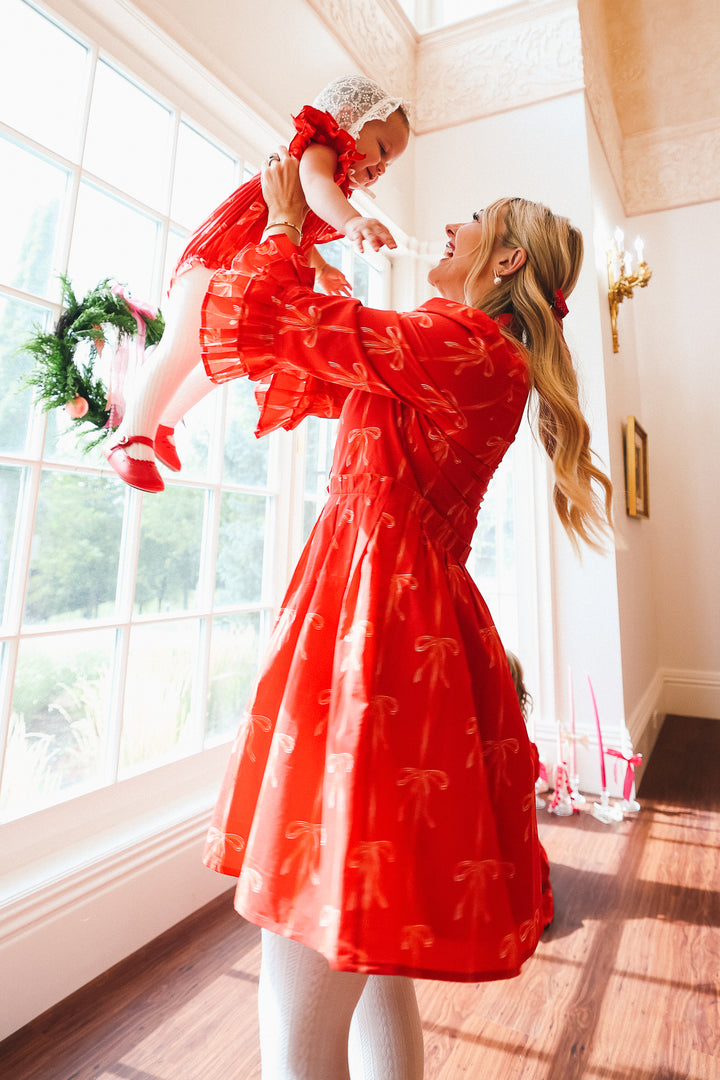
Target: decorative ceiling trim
[[378, 36], [671, 167], [530, 53], [469, 73]]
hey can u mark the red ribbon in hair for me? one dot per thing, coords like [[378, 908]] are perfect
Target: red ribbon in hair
[[559, 307]]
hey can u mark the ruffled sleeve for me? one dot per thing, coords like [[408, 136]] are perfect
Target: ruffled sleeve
[[252, 292], [314, 126], [309, 351]]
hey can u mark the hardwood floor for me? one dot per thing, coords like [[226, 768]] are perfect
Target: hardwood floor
[[624, 985]]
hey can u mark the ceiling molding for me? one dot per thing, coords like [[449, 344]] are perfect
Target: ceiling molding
[[378, 35], [535, 51], [480, 69], [672, 167]]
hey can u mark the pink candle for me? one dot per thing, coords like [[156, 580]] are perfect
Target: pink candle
[[599, 735], [573, 749]]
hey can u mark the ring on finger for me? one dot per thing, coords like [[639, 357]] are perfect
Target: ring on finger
[[272, 157]]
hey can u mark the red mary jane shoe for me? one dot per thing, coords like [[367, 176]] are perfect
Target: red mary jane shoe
[[138, 474], [165, 449]]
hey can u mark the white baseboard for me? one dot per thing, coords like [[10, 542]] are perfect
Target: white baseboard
[[692, 693], [671, 691], [59, 937]]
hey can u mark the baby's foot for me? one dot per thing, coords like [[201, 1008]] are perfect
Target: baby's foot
[[165, 448], [138, 472]]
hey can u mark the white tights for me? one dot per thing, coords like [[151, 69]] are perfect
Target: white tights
[[320, 1024], [173, 378]]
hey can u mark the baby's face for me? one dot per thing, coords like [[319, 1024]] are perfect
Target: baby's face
[[380, 142]]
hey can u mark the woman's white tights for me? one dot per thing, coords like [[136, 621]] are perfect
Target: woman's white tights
[[320, 1024]]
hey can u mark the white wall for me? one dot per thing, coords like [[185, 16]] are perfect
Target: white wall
[[626, 395], [679, 369]]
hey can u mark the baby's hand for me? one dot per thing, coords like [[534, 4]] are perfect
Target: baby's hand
[[370, 231], [332, 281]]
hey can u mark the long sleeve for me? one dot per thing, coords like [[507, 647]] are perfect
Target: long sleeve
[[445, 360]]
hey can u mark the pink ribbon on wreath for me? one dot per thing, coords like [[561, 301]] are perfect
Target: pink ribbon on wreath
[[631, 761], [121, 356]]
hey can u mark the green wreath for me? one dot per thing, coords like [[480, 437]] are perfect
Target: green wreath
[[57, 380]]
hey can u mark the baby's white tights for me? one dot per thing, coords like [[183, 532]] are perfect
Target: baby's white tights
[[172, 379], [313, 1019]]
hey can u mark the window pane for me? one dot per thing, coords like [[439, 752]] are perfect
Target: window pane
[[111, 240], [76, 548], [240, 549], [246, 458], [158, 695], [17, 322], [10, 481], [204, 177], [58, 721], [176, 244], [320, 435], [234, 652], [31, 213], [129, 138], [170, 544], [43, 79], [193, 435]]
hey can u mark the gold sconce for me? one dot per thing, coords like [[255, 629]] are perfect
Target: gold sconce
[[622, 279]]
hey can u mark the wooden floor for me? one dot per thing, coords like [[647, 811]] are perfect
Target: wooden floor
[[624, 985]]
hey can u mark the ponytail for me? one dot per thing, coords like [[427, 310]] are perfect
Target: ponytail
[[582, 493]]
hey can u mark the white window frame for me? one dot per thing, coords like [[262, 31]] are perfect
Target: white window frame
[[69, 837]]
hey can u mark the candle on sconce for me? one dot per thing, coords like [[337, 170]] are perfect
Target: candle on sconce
[[627, 264], [619, 240], [639, 250], [603, 778]]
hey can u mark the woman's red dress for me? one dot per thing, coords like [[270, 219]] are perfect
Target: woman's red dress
[[379, 803], [242, 218]]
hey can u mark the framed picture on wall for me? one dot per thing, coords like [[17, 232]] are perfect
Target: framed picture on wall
[[637, 498]]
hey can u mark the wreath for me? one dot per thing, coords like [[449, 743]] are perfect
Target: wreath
[[58, 380]]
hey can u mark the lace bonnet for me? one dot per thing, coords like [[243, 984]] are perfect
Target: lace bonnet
[[354, 101]]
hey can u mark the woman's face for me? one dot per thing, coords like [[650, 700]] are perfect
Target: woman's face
[[450, 274]]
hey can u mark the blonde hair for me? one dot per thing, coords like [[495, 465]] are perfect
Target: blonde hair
[[554, 250]]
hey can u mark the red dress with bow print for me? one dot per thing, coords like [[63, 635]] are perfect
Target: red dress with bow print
[[379, 802]]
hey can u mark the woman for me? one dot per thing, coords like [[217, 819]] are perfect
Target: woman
[[379, 804]]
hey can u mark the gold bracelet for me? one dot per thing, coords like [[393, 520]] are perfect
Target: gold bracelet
[[273, 224]]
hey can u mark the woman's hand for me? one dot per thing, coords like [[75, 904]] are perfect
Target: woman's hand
[[282, 190]]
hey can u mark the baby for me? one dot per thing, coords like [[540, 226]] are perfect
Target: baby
[[345, 140]]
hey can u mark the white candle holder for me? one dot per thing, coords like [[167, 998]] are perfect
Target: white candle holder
[[575, 795], [606, 813]]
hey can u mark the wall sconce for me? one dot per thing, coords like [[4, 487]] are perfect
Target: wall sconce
[[622, 279]]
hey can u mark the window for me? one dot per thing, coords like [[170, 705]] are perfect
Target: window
[[131, 624]]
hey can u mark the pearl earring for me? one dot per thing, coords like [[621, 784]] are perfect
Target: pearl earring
[[497, 280]]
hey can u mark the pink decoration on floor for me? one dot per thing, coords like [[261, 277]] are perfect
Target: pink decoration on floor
[[632, 761], [603, 778]]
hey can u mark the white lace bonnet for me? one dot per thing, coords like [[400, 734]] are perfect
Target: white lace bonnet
[[354, 101]]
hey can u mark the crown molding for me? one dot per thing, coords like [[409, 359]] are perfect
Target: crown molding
[[672, 167], [378, 36], [486, 66]]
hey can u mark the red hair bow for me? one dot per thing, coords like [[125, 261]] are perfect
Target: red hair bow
[[558, 306]]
